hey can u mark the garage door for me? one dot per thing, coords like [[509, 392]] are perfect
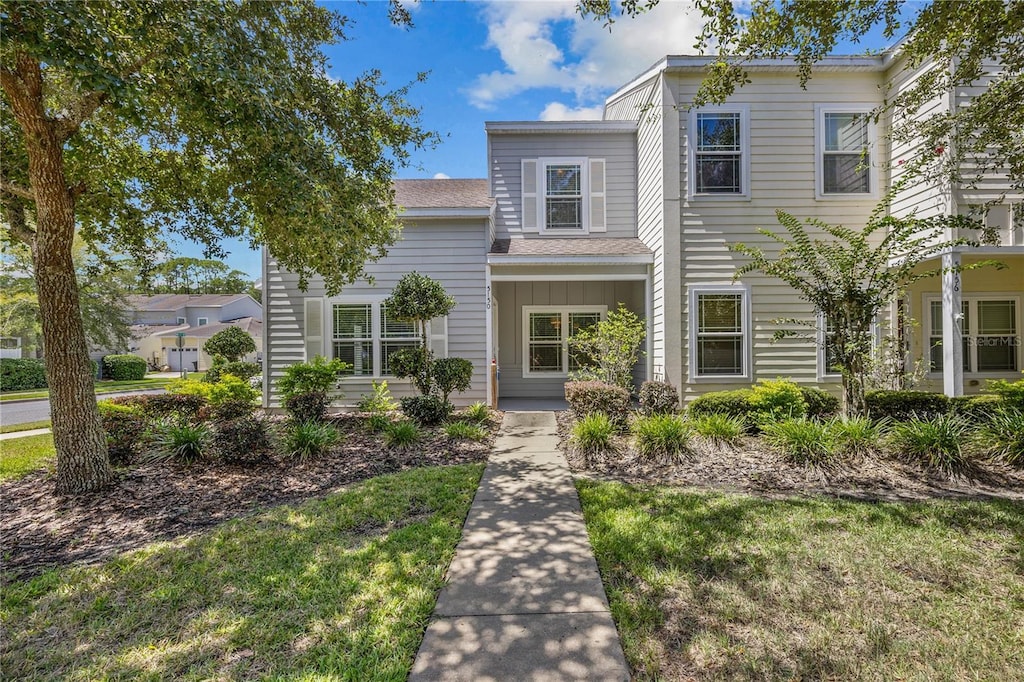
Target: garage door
[[186, 356]]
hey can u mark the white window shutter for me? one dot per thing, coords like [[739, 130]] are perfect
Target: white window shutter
[[598, 221], [314, 327], [531, 208], [439, 337]]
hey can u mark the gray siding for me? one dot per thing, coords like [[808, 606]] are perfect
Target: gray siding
[[244, 307], [452, 252]]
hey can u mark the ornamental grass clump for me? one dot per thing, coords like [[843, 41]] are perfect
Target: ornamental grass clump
[[477, 412], [306, 440], [592, 435], [719, 430], [402, 434], [939, 443], [461, 430], [1001, 436], [856, 436], [180, 441], [801, 441], [662, 436]]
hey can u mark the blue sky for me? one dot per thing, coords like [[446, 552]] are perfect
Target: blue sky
[[499, 60]]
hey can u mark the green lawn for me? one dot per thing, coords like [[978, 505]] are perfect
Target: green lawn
[[26, 426], [337, 588], [714, 586], [101, 387], [18, 456]]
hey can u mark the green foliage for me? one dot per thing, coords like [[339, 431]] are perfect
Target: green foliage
[[588, 397], [856, 436], [904, 405], [124, 367], [662, 436], [608, 350], [231, 344], [477, 412], [592, 435], [1002, 436], [177, 405], [228, 410], [180, 441], [719, 429], [460, 430], [187, 275], [732, 403], [21, 374], [452, 374], [820, 403], [800, 440], [415, 364], [125, 426], [1010, 391], [232, 389], [241, 440], [427, 410], [402, 434], [317, 375], [937, 443], [242, 370], [776, 399], [377, 422], [974, 408], [418, 299], [658, 397], [306, 440], [308, 407], [380, 400]]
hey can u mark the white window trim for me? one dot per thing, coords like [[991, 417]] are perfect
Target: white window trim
[[181, 320], [542, 193], [564, 311], [376, 336], [745, 315], [819, 151], [201, 321], [971, 301], [691, 143], [823, 373]]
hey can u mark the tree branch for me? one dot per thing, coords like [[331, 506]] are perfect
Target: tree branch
[[71, 119], [14, 211], [16, 189]]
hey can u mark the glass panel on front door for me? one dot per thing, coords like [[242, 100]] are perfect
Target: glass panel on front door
[[546, 342]]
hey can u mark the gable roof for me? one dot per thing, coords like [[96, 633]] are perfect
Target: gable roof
[[163, 302], [470, 193], [570, 247]]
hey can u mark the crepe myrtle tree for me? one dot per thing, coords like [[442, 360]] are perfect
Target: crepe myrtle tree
[[418, 299], [850, 275], [123, 122]]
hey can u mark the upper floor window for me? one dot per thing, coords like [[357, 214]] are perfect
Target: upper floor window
[[563, 195], [845, 137], [202, 321], [719, 158]]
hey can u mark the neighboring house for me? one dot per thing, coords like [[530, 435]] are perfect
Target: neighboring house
[[158, 320], [639, 209]]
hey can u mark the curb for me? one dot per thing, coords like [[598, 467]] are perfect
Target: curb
[[16, 401]]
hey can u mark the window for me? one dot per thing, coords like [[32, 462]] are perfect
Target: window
[[827, 348], [991, 334], [394, 336], [546, 331], [353, 337], [719, 326], [181, 320], [844, 138], [202, 321], [563, 197], [719, 163], [365, 336]]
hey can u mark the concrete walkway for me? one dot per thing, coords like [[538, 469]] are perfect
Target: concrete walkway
[[523, 599], [23, 434]]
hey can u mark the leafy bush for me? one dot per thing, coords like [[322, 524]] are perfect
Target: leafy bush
[[232, 389], [937, 443], [608, 350], [592, 435], [380, 400], [415, 364], [319, 375], [231, 344], [664, 436], [1010, 391], [820, 403], [477, 412], [719, 429], [181, 442], [658, 397], [465, 431], [228, 410], [307, 407], [588, 397], [974, 408], [124, 367], [418, 299], [125, 426], [774, 400], [242, 370], [426, 409], [22, 374], [904, 405], [378, 422], [801, 440], [180, 405], [732, 403], [856, 436], [244, 440], [451, 374], [1002, 436], [193, 387], [402, 434], [304, 440]]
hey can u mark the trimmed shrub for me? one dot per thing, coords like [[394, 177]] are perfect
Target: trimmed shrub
[[380, 400], [124, 367], [800, 440], [776, 399], [658, 397], [181, 442], [732, 403], [242, 370], [664, 436], [94, 367], [377, 422], [820, 403], [1010, 391], [451, 375], [232, 389], [181, 405], [244, 440], [194, 387], [719, 429], [125, 426], [974, 408], [308, 407], [1001, 436], [465, 431], [22, 374], [905, 405], [228, 410], [588, 397], [427, 410], [856, 436], [937, 443], [592, 435], [304, 440], [415, 364], [319, 375], [230, 344], [402, 434]]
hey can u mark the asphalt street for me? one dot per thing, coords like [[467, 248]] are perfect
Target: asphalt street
[[38, 410]]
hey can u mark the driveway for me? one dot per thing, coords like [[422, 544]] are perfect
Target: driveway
[[39, 410]]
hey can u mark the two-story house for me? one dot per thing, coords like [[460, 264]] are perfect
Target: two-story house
[[639, 209]]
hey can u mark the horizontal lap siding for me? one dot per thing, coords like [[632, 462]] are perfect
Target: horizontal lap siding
[[452, 252], [618, 150]]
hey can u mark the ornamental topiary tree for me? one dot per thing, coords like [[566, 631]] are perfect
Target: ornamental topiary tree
[[608, 350], [231, 344], [418, 299]]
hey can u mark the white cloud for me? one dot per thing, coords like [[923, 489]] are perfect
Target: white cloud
[[556, 111], [442, 176], [548, 45]]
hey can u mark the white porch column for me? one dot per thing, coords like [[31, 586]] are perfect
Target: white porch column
[[649, 322], [952, 327], [489, 355]]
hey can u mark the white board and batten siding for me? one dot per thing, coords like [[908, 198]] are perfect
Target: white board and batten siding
[[451, 251]]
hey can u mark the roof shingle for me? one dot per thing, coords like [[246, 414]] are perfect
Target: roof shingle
[[448, 193], [569, 247]]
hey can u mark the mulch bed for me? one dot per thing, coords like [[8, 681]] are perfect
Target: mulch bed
[[754, 469], [151, 502]]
